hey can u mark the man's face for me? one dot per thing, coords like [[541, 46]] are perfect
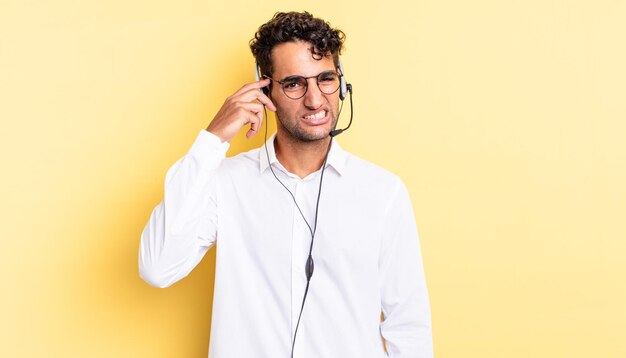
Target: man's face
[[313, 116]]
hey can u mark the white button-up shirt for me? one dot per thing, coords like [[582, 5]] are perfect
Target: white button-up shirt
[[366, 252]]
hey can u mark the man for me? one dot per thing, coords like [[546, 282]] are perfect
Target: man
[[313, 243]]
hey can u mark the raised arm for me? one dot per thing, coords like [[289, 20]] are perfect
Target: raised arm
[[183, 227]]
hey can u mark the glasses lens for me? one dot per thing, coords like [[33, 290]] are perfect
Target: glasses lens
[[328, 82], [294, 87]]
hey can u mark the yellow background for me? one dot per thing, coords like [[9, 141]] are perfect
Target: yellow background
[[506, 119]]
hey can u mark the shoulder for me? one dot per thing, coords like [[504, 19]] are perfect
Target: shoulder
[[242, 162], [371, 176], [357, 166]]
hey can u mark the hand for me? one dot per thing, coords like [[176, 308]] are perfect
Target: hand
[[244, 107]]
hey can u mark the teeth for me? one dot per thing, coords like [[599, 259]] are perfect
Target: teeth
[[318, 115]]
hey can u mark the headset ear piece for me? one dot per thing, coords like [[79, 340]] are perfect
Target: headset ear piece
[[257, 76], [344, 87], [257, 73]]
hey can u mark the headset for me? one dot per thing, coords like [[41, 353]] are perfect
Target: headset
[[344, 89]]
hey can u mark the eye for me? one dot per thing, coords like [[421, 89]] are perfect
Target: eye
[[293, 83], [326, 77]]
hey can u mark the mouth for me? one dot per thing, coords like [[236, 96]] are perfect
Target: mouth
[[316, 119]]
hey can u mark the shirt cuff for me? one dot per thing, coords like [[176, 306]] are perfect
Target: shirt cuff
[[208, 144]]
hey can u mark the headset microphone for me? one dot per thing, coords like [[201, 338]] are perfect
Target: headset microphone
[[337, 132]]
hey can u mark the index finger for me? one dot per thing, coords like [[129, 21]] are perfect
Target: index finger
[[255, 93], [265, 100], [253, 85]]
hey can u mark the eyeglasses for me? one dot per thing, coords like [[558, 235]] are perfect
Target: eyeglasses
[[295, 87]]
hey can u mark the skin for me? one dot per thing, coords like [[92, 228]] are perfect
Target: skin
[[301, 143]]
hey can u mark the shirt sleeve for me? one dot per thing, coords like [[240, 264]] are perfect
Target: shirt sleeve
[[406, 325], [183, 226]]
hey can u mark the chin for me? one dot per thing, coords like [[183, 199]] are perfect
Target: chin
[[311, 137], [302, 132]]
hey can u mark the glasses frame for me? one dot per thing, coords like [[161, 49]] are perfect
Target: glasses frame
[[306, 80]]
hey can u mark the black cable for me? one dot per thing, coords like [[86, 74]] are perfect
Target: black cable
[[309, 264]]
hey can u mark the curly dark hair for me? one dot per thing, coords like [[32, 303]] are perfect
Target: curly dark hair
[[294, 26]]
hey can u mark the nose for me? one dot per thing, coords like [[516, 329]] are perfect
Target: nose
[[313, 98]]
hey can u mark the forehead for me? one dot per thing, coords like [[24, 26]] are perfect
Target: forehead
[[295, 58]]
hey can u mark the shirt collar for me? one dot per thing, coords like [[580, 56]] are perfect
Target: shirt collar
[[336, 157]]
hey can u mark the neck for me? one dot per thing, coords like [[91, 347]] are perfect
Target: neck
[[300, 158]]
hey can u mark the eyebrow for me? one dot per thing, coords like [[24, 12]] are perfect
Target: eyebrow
[[292, 77]]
